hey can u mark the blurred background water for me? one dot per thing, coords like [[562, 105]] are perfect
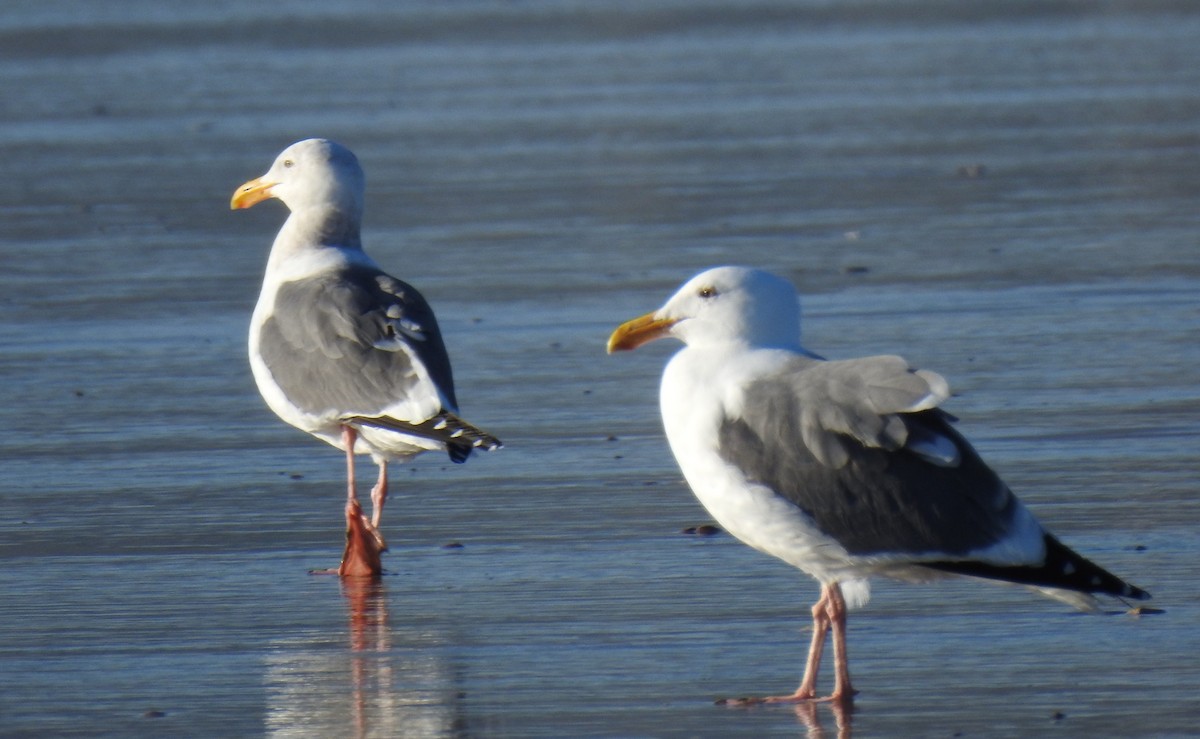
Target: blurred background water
[[1003, 192]]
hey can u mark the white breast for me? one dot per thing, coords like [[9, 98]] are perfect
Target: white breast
[[698, 391]]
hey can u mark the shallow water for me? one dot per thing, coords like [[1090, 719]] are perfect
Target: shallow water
[[1006, 194]]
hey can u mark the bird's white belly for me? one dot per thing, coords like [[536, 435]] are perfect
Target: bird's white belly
[[379, 443], [393, 446], [762, 519], [753, 513]]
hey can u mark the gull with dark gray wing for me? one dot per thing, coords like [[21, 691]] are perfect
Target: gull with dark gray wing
[[341, 349], [843, 469]]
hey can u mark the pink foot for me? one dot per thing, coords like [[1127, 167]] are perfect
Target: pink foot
[[364, 544]]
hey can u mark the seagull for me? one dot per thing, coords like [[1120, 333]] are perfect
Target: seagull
[[843, 469], [341, 349]]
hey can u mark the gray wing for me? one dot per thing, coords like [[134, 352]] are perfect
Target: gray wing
[[356, 342], [861, 448]]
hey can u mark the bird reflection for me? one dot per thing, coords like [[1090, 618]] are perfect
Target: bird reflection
[[374, 679], [366, 601], [808, 713]]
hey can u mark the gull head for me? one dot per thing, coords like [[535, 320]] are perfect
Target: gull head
[[309, 174], [721, 307]]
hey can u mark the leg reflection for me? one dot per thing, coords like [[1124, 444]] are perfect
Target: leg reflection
[[367, 602], [385, 674], [808, 712]]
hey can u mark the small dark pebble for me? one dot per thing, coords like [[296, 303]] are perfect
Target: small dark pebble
[[78, 393], [1059, 716], [702, 530], [738, 702], [618, 456], [453, 545], [154, 714], [612, 438], [296, 476], [1139, 547], [856, 269]]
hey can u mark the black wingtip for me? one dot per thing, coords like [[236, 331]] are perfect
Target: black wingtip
[[1135, 593], [1080, 573], [1062, 568], [463, 438], [460, 437], [460, 448]]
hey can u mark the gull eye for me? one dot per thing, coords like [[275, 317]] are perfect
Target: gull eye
[[707, 292], [288, 162]]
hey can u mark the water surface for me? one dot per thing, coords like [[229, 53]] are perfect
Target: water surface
[[1003, 193]]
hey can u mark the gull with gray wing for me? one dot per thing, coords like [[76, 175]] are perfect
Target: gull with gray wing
[[341, 349], [843, 469]]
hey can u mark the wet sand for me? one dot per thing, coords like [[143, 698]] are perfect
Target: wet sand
[[1006, 195]]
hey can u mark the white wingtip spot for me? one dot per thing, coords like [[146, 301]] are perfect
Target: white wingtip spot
[[388, 285], [411, 329], [939, 388]]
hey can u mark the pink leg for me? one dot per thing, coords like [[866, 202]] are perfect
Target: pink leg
[[379, 494], [816, 648], [808, 686], [349, 436], [836, 610], [829, 611], [363, 542]]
